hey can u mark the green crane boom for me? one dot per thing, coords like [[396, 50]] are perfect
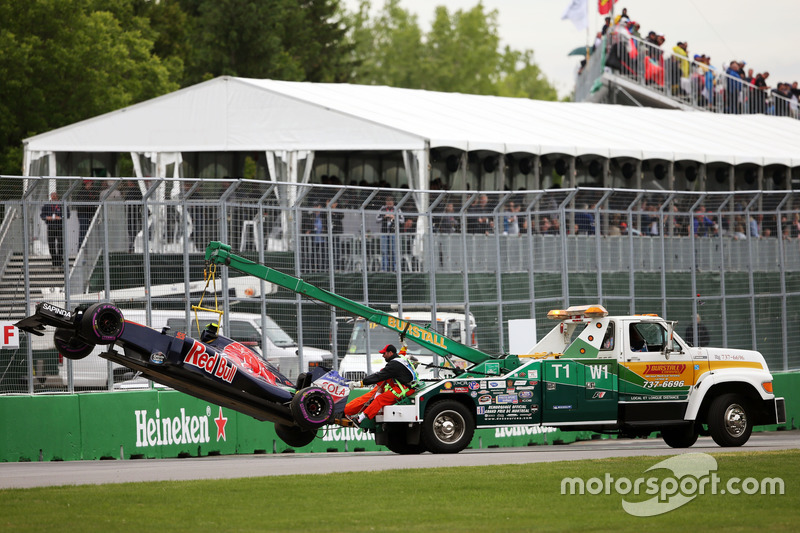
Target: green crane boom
[[219, 253]]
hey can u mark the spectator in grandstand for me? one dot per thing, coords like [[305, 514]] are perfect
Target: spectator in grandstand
[[680, 68], [53, 216], [87, 197], [633, 28], [755, 232], [510, 220], [449, 222], [315, 230], [390, 218], [796, 225], [703, 225], [584, 221], [781, 96], [739, 234], [786, 233], [733, 85], [482, 223], [337, 229], [623, 17], [759, 103], [606, 25]]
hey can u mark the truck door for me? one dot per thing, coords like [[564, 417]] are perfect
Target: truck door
[[647, 374]]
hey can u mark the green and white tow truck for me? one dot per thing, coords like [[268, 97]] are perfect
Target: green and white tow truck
[[629, 375]]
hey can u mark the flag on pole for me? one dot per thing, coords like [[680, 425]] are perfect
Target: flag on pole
[[576, 12], [604, 6]]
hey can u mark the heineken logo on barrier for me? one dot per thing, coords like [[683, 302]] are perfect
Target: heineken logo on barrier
[[182, 429]]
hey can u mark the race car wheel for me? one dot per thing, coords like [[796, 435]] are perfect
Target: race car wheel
[[70, 346], [312, 407], [448, 427], [102, 323], [729, 420], [294, 436], [397, 435], [680, 436]]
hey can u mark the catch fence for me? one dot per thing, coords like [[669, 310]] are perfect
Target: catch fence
[[733, 259]]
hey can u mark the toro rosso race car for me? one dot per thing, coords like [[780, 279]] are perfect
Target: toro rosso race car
[[213, 368]]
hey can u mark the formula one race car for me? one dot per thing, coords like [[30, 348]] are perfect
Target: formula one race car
[[214, 368]]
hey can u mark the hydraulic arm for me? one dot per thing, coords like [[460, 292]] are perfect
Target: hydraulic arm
[[219, 253]]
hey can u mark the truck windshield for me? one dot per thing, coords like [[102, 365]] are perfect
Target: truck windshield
[[380, 336]]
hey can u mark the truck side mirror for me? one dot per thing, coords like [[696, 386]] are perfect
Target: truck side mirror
[[668, 344]]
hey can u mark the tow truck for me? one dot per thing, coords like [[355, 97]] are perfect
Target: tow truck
[[629, 375]]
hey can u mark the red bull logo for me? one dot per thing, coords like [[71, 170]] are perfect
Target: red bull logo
[[215, 364]]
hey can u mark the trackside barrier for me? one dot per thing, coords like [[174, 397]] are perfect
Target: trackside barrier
[[161, 424]]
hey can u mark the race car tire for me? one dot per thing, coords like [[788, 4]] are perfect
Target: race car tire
[[102, 323], [294, 436], [312, 407], [69, 346], [729, 420], [448, 427], [396, 435], [680, 436]]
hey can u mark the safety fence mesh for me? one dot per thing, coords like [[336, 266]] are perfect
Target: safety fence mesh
[[733, 259]]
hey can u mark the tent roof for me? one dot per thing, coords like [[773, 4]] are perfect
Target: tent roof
[[240, 114]]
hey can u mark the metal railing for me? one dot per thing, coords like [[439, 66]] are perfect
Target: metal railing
[[680, 78], [733, 258]]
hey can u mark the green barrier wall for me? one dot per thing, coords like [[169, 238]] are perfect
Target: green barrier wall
[[156, 424]]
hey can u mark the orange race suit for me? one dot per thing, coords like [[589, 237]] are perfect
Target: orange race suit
[[393, 382]]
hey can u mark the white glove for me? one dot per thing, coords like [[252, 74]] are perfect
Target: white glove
[[354, 384]]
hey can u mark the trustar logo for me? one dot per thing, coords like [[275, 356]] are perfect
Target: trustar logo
[[182, 429]]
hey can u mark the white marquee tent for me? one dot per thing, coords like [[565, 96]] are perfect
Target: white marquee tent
[[238, 114]]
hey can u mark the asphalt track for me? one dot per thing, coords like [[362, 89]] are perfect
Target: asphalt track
[[23, 475]]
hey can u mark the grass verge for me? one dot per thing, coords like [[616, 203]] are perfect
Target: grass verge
[[498, 498]]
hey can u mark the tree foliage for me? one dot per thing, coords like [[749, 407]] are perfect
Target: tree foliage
[[460, 53], [62, 61], [278, 39]]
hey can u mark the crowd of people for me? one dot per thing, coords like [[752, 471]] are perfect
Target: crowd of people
[[646, 220], [735, 88]]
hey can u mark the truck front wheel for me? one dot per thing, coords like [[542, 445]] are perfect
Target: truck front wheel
[[680, 436], [729, 420], [448, 427]]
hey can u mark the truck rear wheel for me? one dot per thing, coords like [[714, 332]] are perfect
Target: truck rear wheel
[[448, 427], [294, 436], [729, 420], [312, 407], [102, 323], [680, 436], [397, 441], [69, 346]]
